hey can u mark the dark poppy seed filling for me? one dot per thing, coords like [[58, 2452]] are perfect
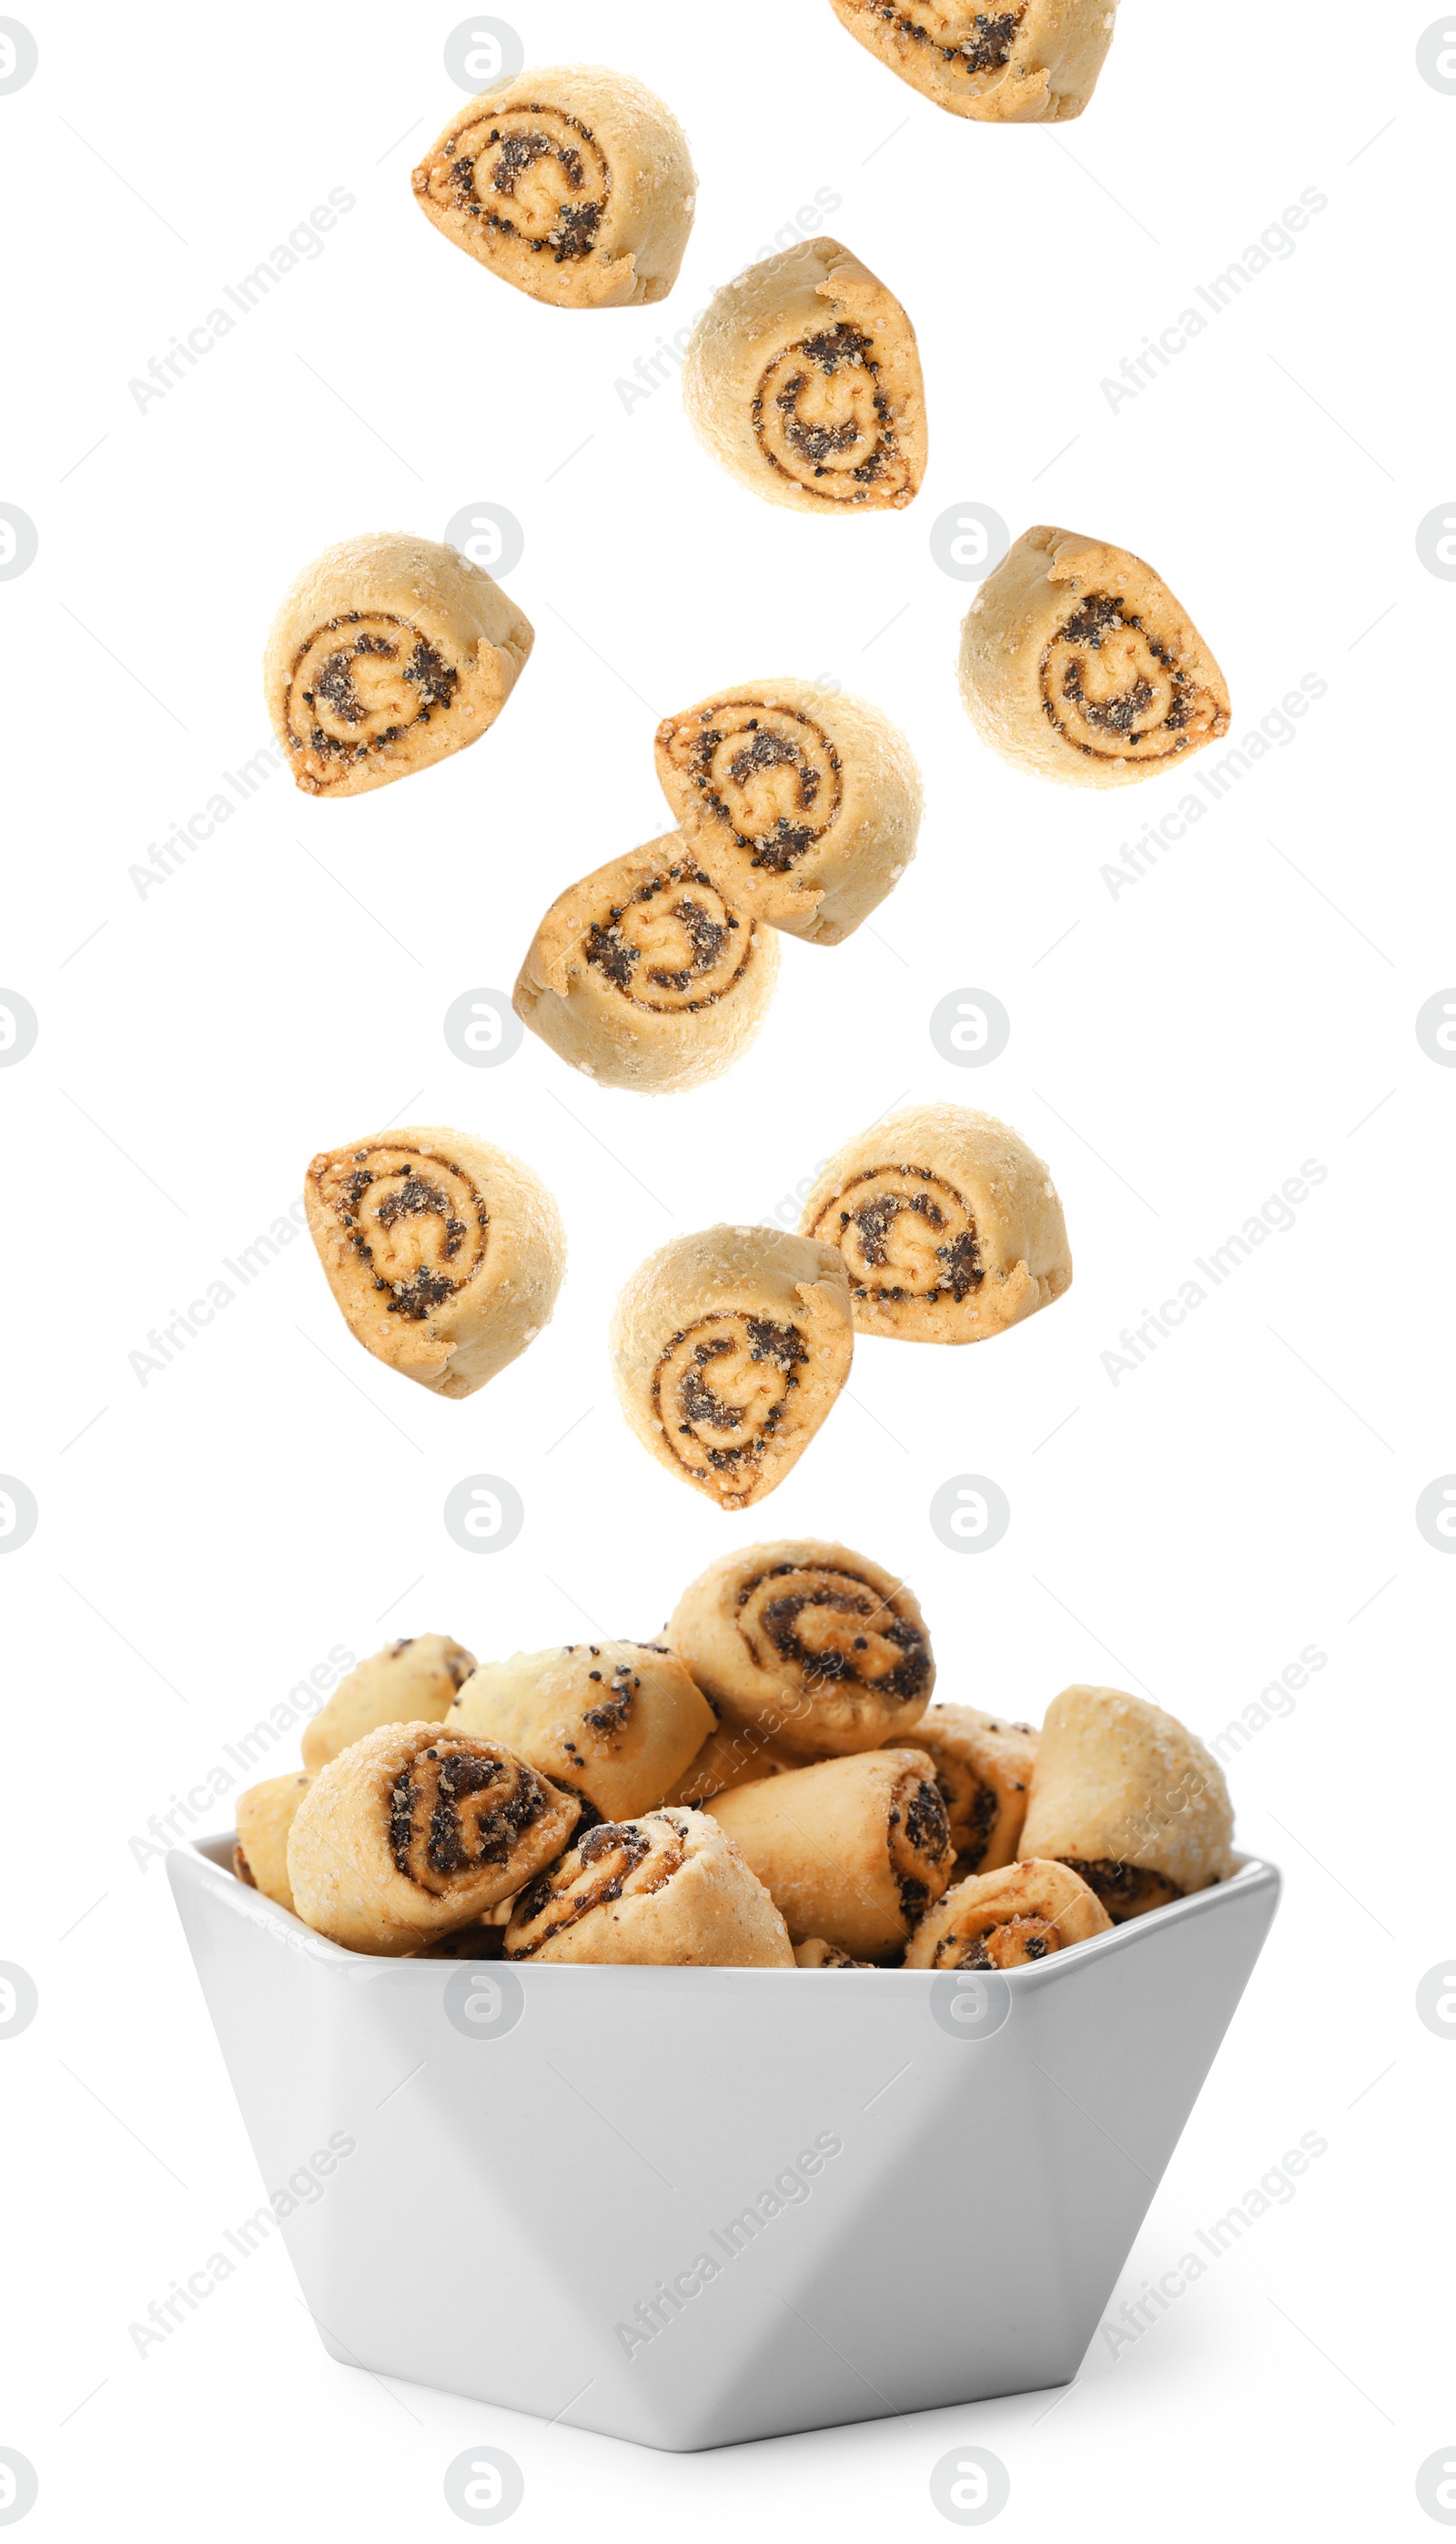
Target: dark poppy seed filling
[[904, 1233], [416, 1225], [820, 416], [451, 1813], [673, 944], [969, 40], [1114, 691], [823, 1627], [919, 1841], [616, 1858], [1005, 1943], [1124, 1889], [769, 775], [722, 1388], [359, 683], [533, 177]]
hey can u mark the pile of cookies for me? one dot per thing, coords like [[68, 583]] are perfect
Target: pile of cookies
[[767, 1785]]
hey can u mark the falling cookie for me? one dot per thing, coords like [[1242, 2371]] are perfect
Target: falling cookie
[[802, 380], [645, 974], [1034, 61], [1076, 663], [574, 184], [444, 1256], [728, 1349], [389, 652], [804, 803], [950, 1228]]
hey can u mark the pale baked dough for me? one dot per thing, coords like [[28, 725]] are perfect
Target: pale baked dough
[[265, 1815], [417, 1830], [728, 1349], [998, 61], [805, 804], [646, 975], [854, 1850], [950, 1227], [614, 1722], [733, 1754], [1127, 1797], [388, 653], [817, 1954], [574, 183], [1002, 1920], [984, 1766], [668, 1887], [1078, 664], [444, 1256], [807, 1645], [802, 380], [416, 1680]]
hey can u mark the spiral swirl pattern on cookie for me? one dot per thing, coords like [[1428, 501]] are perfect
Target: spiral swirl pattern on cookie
[[359, 683], [821, 418], [1113, 691], [617, 1858], [904, 1232], [768, 775], [919, 1837], [720, 1389], [673, 945], [452, 1812], [532, 175], [417, 1223], [818, 1626]]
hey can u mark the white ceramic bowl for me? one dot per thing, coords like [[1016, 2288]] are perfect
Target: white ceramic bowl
[[689, 2207]]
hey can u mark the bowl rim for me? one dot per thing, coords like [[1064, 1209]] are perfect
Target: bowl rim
[[206, 1861]]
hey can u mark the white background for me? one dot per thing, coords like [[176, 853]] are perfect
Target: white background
[[1178, 1049]]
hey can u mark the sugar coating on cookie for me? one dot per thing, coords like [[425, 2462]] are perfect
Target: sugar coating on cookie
[[415, 1679], [1007, 1919], [804, 802], [997, 61], [802, 380], [817, 1649], [950, 1227], [668, 1887], [1129, 1798], [647, 974], [728, 1349], [984, 1766], [388, 653], [616, 1724], [1078, 664], [574, 183], [444, 1256], [853, 1849], [415, 1831]]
